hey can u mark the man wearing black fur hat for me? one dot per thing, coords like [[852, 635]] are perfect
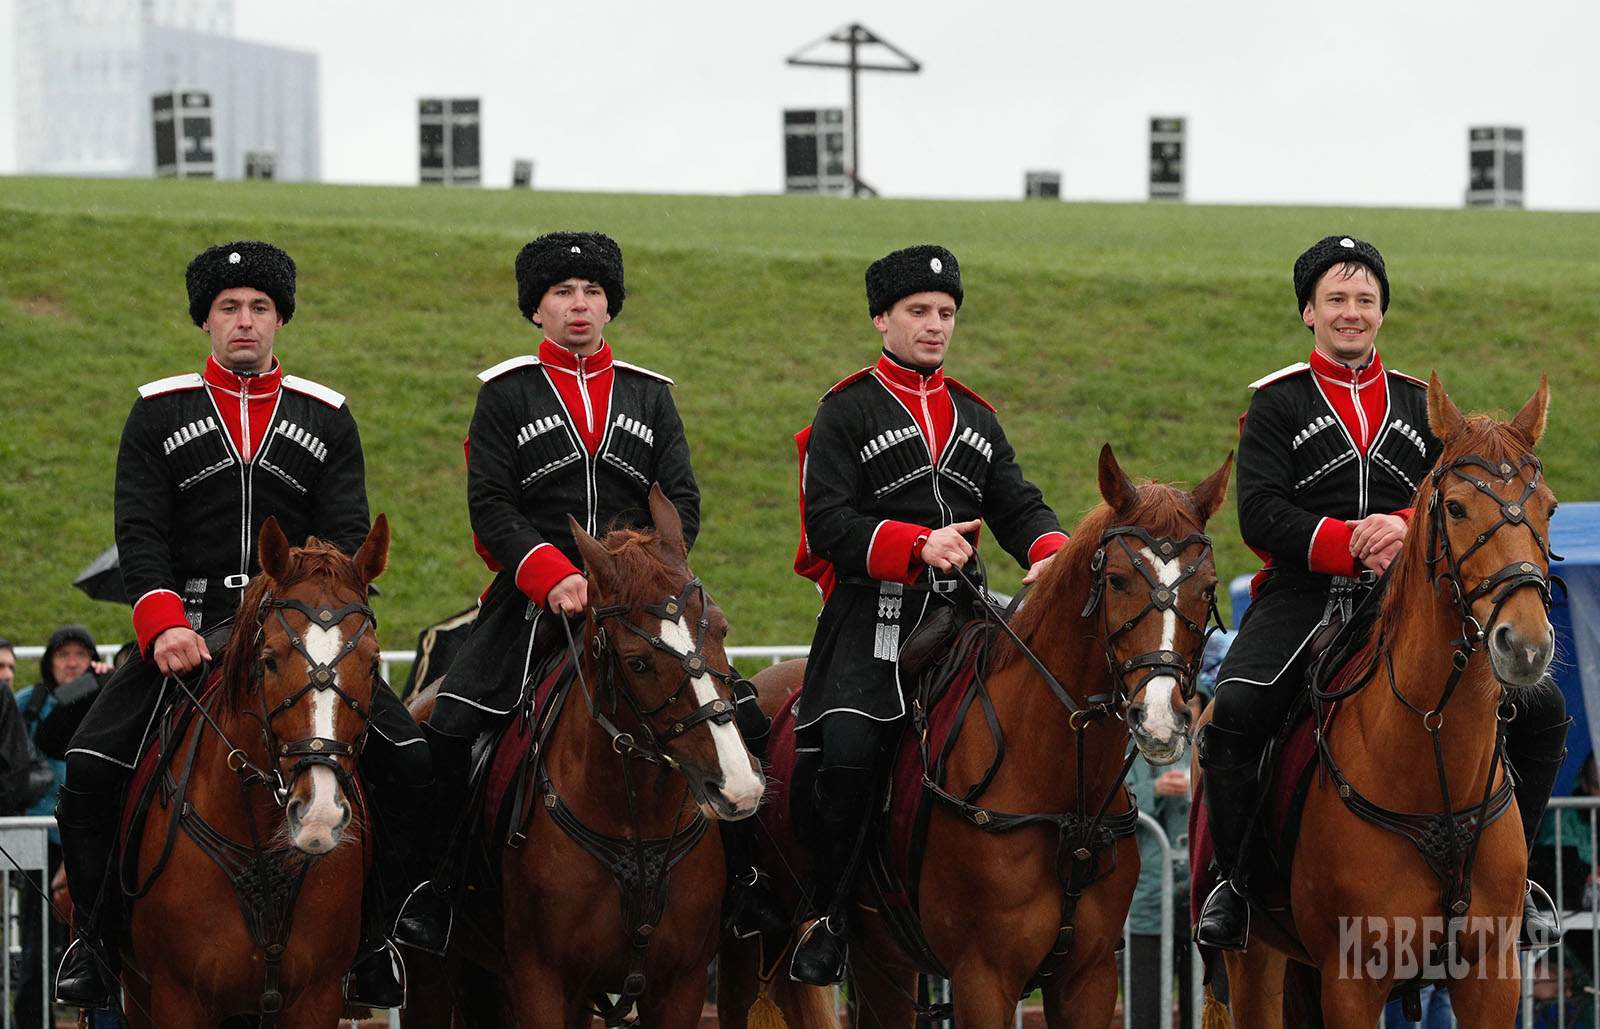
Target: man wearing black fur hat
[[901, 465], [1330, 455], [205, 458], [568, 430]]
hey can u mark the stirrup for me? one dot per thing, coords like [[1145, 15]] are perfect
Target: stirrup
[[425, 919], [754, 910], [397, 970], [1535, 937], [1216, 900], [808, 941], [81, 949]]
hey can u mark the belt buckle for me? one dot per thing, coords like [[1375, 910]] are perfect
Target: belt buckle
[[236, 582], [943, 585]]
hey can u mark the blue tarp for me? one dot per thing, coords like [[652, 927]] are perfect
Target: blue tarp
[[1575, 535]]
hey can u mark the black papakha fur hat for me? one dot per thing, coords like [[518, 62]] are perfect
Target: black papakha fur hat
[[1329, 251], [919, 269], [245, 262], [557, 256]]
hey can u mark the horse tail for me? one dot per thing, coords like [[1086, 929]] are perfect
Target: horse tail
[[1302, 996]]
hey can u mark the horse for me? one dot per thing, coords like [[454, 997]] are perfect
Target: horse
[[1416, 727], [249, 862], [623, 785], [1105, 648]]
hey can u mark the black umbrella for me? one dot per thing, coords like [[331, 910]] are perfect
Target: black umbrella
[[102, 580]]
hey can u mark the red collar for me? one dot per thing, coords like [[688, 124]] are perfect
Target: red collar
[[1328, 368], [554, 355], [264, 384], [894, 373]]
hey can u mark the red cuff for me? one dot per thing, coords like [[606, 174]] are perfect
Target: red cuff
[[1330, 549], [155, 613], [889, 554], [1405, 513], [1046, 545], [540, 570]]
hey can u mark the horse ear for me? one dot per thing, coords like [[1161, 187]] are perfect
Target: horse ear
[[1115, 486], [1444, 418], [1531, 420], [668, 523], [273, 549], [1209, 495], [373, 557], [596, 561]]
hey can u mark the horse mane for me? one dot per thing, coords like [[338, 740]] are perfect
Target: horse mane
[[642, 572], [316, 560], [1409, 576], [1161, 509]]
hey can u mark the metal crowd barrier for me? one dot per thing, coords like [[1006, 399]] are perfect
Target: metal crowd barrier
[[25, 842]]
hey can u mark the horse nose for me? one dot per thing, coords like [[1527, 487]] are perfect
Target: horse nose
[[296, 811], [1517, 658], [1136, 716]]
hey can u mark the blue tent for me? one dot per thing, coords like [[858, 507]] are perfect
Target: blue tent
[[1575, 535]]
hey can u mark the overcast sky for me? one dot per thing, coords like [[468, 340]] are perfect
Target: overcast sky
[[1288, 102]]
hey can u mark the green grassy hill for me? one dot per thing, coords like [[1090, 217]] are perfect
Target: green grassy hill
[[1137, 324]]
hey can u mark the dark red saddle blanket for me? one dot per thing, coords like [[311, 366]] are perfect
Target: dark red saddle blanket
[[902, 832], [510, 755]]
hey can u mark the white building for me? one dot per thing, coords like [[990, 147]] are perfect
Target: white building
[[87, 69]]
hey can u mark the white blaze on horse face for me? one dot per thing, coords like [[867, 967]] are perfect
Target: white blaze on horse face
[[740, 784], [1161, 721], [323, 816]]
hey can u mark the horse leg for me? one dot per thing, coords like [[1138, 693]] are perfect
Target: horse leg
[[430, 986], [1349, 1003], [540, 998], [317, 1007], [1086, 997], [172, 1007], [984, 995], [676, 1004], [1482, 998], [1255, 987], [884, 994], [738, 980]]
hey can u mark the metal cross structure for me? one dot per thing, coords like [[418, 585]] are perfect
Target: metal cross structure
[[856, 36]]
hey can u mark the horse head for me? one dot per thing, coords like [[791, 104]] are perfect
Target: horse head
[[310, 671], [657, 643], [1488, 528], [1152, 588]]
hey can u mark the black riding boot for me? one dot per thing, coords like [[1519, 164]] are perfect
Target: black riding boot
[[377, 978], [1230, 794], [88, 824], [750, 909], [844, 806], [425, 916], [1535, 760]]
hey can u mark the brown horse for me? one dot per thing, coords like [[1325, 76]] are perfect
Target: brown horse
[[642, 748], [267, 825], [1462, 628], [1118, 621]]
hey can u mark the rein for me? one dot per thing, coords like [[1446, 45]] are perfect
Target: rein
[[1448, 840]]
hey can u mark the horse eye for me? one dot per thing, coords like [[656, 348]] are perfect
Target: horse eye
[[1117, 583], [270, 663], [639, 664], [1456, 510]]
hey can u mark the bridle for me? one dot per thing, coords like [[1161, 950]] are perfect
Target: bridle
[[1162, 598], [613, 682], [311, 751], [1508, 579]]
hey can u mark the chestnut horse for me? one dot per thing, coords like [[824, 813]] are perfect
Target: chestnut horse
[[255, 811], [641, 752], [1005, 900], [1463, 626]]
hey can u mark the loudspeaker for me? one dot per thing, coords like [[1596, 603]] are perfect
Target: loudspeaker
[[1041, 185], [521, 174], [1494, 166], [184, 134], [815, 144], [449, 135], [1166, 158]]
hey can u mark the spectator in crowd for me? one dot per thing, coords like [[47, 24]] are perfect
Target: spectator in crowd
[[70, 670], [1163, 794], [15, 754]]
